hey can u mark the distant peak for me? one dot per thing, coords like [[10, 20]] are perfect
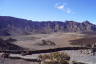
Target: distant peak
[[87, 22], [71, 22]]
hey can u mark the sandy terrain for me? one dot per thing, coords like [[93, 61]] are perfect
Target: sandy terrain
[[61, 40]]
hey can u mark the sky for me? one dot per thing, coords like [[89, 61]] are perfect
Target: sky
[[50, 10]]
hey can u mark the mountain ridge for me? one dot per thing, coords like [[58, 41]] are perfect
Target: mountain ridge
[[17, 26]]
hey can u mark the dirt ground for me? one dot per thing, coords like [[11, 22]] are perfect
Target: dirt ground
[[60, 39], [15, 61], [31, 42]]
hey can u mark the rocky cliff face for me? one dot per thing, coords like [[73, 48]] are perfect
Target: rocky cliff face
[[17, 26]]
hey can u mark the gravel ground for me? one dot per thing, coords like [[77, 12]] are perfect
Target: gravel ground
[[82, 57], [75, 56], [15, 61]]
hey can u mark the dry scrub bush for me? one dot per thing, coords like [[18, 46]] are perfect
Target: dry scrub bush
[[55, 58]]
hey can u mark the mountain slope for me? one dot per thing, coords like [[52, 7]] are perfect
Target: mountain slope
[[16, 26]]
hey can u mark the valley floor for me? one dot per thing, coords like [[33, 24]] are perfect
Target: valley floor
[[33, 42]]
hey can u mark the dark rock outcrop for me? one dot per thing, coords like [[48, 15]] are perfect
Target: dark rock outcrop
[[7, 45]]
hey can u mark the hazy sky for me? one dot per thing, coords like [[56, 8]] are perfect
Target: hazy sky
[[46, 10]]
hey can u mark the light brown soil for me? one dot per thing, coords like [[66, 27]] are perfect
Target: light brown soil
[[61, 40]]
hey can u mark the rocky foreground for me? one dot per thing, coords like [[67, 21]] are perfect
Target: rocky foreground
[[15, 61], [75, 56]]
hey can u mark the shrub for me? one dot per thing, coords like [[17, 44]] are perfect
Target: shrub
[[55, 58]]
